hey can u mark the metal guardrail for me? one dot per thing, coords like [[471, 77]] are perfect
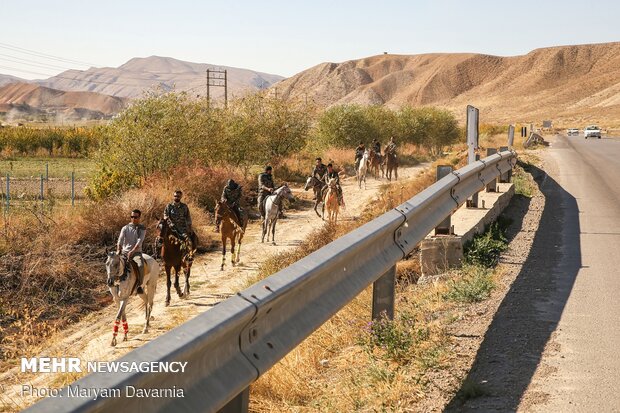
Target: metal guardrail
[[231, 345]]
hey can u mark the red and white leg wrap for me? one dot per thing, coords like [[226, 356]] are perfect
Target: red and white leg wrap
[[116, 325], [125, 327]]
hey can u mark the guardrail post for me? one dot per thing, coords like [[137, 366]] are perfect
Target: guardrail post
[[240, 404], [492, 186], [472, 145], [507, 176], [444, 227], [383, 295], [511, 135]]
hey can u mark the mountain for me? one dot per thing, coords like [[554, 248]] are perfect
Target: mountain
[[576, 84], [140, 74], [6, 79], [33, 102]]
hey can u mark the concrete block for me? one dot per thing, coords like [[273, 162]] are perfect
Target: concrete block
[[440, 253]]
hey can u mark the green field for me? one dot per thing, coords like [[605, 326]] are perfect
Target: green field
[[57, 167]]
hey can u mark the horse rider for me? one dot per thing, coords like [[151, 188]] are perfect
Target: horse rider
[[390, 147], [319, 171], [333, 174], [129, 246], [231, 195], [179, 218], [265, 188], [376, 146], [359, 154]]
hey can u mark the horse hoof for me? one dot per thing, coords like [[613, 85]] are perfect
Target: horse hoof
[[125, 337], [113, 343], [146, 330], [167, 303], [273, 243], [152, 318], [222, 268]]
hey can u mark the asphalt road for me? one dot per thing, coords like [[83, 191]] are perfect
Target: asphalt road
[[579, 368]]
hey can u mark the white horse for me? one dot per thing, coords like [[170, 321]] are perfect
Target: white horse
[[273, 205], [363, 169], [121, 290]]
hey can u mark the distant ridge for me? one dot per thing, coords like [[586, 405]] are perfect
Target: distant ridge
[[30, 101], [139, 74], [571, 83]]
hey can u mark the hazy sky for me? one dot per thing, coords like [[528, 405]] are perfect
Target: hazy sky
[[285, 37]]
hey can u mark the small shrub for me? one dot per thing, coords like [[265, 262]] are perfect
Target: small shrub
[[475, 286], [485, 249]]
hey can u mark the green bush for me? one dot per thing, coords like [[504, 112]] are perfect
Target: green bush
[[475, 285], [484, 250]]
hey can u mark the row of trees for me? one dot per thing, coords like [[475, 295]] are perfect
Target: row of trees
[[159, 133], [26, 141]]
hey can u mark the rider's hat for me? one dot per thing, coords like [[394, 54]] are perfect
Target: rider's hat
[[268, 168]]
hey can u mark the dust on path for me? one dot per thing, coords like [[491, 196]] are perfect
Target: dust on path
[[90, 338]]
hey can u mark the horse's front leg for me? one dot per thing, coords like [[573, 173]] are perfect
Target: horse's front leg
[[117, 321], [223, 253], [232, 251], [264, 230], [168, 285], [237, 255], [177, 286], [125, 325], [187, 271], [273, 231]]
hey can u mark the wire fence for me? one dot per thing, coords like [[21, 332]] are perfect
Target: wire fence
[[15, 191]]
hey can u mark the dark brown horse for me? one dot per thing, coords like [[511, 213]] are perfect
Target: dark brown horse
[[374, 163], [176, 253], [232, 230], [318, 187], [391, 165]]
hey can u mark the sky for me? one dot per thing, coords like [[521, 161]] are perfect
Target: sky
[[285, 37]]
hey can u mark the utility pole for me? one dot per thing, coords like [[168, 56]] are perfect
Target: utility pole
[[217, 78]]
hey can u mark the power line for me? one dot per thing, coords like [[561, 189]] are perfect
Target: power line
[[28, 62], [44, 55]]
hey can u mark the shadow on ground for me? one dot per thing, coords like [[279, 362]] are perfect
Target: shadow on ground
[[515, 341]]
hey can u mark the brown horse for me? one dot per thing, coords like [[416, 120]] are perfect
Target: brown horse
[[231, 229], [317, 187], [391, 166], [331, 201], [176, 253], [374, 163]]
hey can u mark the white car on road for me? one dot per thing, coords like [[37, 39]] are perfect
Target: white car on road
[[592, 131], [572, 131]]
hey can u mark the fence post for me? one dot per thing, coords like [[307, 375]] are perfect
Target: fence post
[[444, 227], [240, 404], [41, 193], [8, 192], [47, 171], [383, 295], [72, 188], [511, 135]]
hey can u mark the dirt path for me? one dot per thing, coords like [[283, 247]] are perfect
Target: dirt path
[[90, 338]]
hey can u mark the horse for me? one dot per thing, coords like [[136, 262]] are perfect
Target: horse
[[231, 229], [391, 165], [317, 186], [273, 205], [375, 163], [331, 201], [176, 253], [121, 290], [362, 170]]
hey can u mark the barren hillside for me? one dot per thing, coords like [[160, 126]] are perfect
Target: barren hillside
[[27, 101], [140, 74], [6, 79], [568, 84]]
